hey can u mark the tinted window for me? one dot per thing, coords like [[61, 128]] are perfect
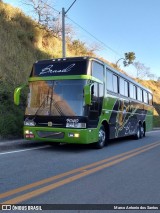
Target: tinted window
[[97, 70], [139, 94], [112, 82], [121, 86], [145, 97], [132, 90], [115, 83], [150, 99], [126, 88], [109, 81]]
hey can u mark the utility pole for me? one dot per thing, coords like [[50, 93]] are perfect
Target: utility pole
[[63, 30]]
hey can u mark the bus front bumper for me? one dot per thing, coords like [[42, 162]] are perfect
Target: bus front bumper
[[62, 135]]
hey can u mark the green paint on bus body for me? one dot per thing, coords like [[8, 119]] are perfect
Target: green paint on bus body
[[70, 77], [79, 136]]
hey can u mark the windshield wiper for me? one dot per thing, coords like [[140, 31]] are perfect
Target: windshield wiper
[[43, 103], [55, 105]]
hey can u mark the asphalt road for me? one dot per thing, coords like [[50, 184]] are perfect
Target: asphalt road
[[126, 171]]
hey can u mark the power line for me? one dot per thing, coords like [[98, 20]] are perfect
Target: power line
[[50, 7], [95, 37], [107, 47]]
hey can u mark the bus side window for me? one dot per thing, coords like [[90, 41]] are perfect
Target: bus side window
[[145, 97], [97, 70], [150, 99], [121, 86], [139, 94], [132, 91], [126, 88], [109, 81], [115, 83]]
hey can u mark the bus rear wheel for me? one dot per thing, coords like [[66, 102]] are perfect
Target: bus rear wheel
[[101, 138], [143, 132], [139, 132]]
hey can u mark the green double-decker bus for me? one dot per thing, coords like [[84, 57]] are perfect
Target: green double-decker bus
[[84, 100]]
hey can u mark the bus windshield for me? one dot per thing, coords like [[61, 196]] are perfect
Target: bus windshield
[[56, 98]]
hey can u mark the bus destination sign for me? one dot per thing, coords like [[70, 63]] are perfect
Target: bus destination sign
[[59, 68]]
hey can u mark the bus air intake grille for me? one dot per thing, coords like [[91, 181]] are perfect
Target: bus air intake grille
[[53, 135]]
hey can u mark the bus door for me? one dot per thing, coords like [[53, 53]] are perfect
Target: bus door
[[96, 103]]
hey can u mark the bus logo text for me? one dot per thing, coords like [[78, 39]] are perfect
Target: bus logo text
[[50, 69]]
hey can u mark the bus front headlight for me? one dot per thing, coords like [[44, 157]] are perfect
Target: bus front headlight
[[29, 123]]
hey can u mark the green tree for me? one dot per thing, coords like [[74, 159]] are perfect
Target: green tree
[[79, 47], [127, 60]]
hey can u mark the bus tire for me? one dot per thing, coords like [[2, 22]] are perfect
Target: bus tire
[[138, 134], [143, 131], [102, 138]]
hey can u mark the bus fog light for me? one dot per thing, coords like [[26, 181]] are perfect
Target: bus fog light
[[26, 132], [76, 135]]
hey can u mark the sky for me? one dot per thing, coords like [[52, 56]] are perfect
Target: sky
[[119, 26]]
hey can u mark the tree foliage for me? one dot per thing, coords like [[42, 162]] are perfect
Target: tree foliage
[[127, 60], [141, 70], [80, 48]]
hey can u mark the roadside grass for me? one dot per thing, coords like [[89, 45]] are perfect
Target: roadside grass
[[156, 121]]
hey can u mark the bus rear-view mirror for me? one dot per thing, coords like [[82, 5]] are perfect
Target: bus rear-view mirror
[[88, 94], [17, 93]]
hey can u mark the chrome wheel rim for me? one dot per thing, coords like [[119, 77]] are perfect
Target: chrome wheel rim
[[142, 131], [102, 136], [138, 132]]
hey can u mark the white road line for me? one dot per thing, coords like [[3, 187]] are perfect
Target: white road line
[[24, 150]]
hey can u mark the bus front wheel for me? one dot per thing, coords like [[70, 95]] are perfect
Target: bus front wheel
[[101, 138]]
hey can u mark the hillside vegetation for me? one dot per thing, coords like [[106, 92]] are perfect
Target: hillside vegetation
[[22, 42], [154, 86]]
